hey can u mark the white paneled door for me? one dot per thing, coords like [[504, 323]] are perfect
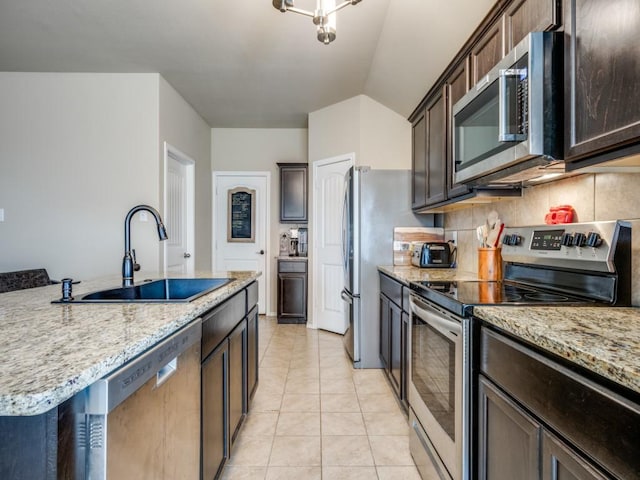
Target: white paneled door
[[179, 212], [242, 254], [328, 276]]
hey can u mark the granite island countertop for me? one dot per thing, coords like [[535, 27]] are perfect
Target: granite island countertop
[[50, 352], [605, 340]]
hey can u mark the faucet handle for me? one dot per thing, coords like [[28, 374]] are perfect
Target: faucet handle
[[136, 265]]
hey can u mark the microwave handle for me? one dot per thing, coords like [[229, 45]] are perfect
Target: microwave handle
[[503, 125]]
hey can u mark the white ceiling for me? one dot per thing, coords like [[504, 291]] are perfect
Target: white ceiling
[[241, 63]]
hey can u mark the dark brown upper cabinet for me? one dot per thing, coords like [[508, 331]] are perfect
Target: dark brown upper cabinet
[[486, 52], [524, 16], [419, 159], [293, 192], [602, 76], [457, 84]]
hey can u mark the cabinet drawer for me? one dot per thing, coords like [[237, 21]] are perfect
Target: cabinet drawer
[[218, 323], [292, 266], [252, 295], [391, 289], [597, 421]]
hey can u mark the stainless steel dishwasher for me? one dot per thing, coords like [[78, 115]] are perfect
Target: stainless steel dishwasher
[[143, 420]]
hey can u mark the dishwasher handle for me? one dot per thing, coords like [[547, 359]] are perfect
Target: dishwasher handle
[[160, 361]]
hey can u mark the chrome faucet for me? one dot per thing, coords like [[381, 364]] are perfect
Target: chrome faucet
[[128, 261]]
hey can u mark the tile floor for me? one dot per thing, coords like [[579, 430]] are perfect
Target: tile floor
[[315, 417]]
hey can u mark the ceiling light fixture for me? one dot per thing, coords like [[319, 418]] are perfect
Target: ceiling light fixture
[[324, 15]]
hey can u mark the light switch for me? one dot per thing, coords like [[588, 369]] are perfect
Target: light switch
[[144, 216], [1, 214]]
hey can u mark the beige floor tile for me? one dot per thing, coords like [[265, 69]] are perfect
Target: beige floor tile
[[302, 385], [349, 473], [271, 373], [373, 385], [294, 473], [300, 402], [274, 361], [259, 424], [336, 385], [377, 402], [335, 362], [232, 472], [298, 423], [304, 372], [383, 423], [342, 424], [295, 451], [339, 402], [251, 451], [335, 372], [398, 473], [391, 450], [265, 401], [346, 450], [367, 374]]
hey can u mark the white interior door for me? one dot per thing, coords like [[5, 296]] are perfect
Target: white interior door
[[328, 277], [179, 212], [242, 255]]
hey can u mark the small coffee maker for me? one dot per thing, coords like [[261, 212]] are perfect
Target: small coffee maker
[[293, 249]]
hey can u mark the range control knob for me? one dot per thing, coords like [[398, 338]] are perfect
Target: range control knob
[[515, 239], [567, 239], [579, 239], [594, 240], [506, 239]]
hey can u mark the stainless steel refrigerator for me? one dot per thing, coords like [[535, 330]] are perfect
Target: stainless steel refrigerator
[[375, 201]]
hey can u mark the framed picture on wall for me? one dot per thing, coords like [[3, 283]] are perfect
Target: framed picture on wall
[[241, 215]]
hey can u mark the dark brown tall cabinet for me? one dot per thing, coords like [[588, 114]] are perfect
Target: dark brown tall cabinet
[[293, 192], [602, 75]]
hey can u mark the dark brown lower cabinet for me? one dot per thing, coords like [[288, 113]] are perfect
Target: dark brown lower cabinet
[[538, 419], [252, 353], [237, 376], [509, 438], [214, 416], [292, 291]]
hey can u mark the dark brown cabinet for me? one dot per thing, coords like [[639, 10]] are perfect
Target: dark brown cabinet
[[293, 192], [486, 52], [509, 437], [394, 334], [292, 291], [229, 375], [419, 160], [539, 419], [524, 16], [602, 76]]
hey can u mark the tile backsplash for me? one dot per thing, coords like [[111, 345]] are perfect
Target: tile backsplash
[[601, 196]]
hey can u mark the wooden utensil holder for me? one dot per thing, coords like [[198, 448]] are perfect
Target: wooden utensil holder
[[490, 264]]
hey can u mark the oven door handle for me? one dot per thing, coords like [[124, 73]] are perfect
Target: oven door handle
[[449, 328]]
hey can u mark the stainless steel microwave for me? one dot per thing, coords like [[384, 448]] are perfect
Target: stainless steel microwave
[[508, 127]]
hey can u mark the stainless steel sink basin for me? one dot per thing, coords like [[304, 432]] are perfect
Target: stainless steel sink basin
[[167, 290]]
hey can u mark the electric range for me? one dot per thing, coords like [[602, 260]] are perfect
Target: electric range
[[583, 264]]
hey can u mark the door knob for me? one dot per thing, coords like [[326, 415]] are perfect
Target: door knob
[[261, 252], [187, 255]]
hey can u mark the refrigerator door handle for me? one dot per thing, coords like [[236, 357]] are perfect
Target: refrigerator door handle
[[344, 230]]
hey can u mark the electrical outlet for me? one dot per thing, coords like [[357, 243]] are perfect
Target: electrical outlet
[[1, 214], [451, 236]]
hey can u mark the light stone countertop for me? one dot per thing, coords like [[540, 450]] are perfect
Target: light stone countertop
[[50, 352], [605, 340], [406, 274]]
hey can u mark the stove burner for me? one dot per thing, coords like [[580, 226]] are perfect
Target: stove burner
[[545, 297]]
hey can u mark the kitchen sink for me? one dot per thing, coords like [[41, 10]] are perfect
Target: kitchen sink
[[166, 290]]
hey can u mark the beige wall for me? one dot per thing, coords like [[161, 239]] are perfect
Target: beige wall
[[260, 149], [184, 129], [77, 151], [602, 196], [379, 137]]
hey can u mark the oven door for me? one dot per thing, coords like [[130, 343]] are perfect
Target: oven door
[[435, 391]]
